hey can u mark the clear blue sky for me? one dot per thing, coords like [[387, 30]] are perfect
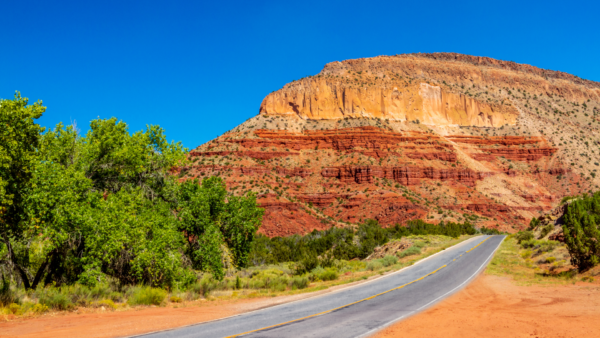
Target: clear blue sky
[[199, 68]]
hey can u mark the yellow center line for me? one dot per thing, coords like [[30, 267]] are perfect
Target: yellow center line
[[478, 244], [358, 301]]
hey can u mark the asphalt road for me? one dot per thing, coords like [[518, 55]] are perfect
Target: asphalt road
[[361, 310]]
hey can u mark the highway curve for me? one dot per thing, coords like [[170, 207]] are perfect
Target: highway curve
[[361, 310]]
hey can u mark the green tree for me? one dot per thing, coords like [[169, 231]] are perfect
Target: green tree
[[581, 232], [19, 139], [105, 205], [213, 220]]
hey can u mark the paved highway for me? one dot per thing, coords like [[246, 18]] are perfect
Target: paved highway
[[361, 310]]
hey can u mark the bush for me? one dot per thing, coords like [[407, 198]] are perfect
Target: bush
[[106, 303], [523, 236], [299, 282], [546, 230], [14, 308], [533, 223], [413, 250], [146, 295], [547, 246], [39, 308], [325, 274], [389, 260], [55, 299], [541, 245], [374, 265], [175, 299]]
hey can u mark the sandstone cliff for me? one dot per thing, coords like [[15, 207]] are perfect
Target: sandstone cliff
[[439, 137]]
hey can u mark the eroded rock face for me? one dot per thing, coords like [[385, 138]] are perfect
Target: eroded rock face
[[326, 98], [438, 137], [314, 181]]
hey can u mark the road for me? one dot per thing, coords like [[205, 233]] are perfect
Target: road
[[361, 310]]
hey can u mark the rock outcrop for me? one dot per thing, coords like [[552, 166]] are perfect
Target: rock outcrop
[[326, 97], [438, 137]]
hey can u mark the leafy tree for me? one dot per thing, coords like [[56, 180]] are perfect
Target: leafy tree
[[211, 222], [83, 208], [581, 232], [19, 139]]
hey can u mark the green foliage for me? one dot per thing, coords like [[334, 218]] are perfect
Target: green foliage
[[105, 206], [211, 222], [522, 236], [489, 231], [146, 295], [541, 245], [413, 250], [581, 232], [299, 282], [374, 265], [55, 299], [546, 230], [533, 223], [19, 140], [389, 260], [321, 247], [325, 274]]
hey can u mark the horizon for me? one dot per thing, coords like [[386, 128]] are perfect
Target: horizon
[[187, 65]]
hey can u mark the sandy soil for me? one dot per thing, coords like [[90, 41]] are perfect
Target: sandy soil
[[494, 306]]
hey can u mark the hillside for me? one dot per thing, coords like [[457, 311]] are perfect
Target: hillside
[[394, 138]]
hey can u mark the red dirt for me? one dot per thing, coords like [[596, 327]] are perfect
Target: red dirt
[[495, 307], [117, 323]]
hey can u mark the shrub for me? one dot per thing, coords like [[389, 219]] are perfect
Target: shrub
[[107, 303], [146, 295], [7, 295], [39, 308], [389, 260], [54, 299], [175, 299], [413, 250], [419, 244], [374, 265], [523, 236], [14, 308], [547, 246], [533, 223], [541, 245], [526, 254], [307, 264], [546, 230], [325, 274], [299, 282]]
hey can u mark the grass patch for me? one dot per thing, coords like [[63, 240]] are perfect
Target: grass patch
[[514, 260], [146, 295]]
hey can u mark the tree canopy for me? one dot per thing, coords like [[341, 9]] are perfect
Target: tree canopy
[[82, 209]]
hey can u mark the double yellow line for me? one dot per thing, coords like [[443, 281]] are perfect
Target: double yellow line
[[358, 301]]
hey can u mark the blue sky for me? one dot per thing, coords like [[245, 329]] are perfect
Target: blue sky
[[199, 68]]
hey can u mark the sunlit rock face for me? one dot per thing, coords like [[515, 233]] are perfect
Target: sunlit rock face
[[440, 137]]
